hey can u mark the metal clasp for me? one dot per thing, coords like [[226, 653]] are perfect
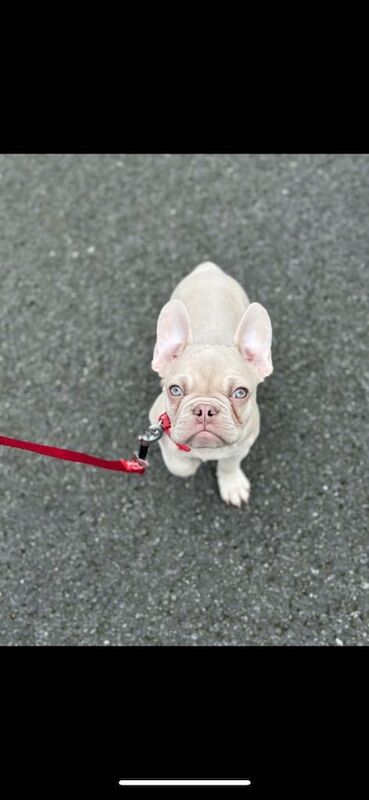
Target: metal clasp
[[152, 434]]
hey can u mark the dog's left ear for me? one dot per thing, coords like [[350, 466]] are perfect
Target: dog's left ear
[[253, 337], [173, 333]]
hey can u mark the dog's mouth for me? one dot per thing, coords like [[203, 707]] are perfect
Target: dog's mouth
[[205, 439]]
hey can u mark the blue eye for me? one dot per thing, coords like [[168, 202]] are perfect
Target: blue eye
[[240, 393], [175, 390]]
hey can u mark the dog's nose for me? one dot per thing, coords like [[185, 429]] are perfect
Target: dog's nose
[[203, 411]]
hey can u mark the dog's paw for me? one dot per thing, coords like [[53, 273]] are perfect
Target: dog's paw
[[234, 487]]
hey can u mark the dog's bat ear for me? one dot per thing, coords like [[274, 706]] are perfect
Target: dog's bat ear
[[173, 333], [253, 337]]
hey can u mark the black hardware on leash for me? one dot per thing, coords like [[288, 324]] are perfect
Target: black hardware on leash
[[153, 434]]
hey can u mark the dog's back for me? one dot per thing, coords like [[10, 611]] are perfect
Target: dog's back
[[209, 294]]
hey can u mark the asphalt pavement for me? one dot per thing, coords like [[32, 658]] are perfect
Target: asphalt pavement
[[90, 249]]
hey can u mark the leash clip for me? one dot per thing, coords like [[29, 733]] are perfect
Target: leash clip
[[152, 434]]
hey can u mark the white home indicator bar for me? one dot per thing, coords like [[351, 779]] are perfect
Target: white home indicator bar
[[184, 783]]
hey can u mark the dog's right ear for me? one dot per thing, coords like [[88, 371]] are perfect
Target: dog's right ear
[[173, 333], [254, 339]]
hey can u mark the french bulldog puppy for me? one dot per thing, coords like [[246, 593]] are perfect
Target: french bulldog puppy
[[212, 350]]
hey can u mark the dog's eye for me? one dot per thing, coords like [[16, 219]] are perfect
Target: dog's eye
[[240, 393], [175, 390]]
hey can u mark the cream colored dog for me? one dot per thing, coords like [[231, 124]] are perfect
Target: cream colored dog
[[213, 348]]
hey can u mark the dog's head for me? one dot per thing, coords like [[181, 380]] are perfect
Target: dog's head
[[211, 389]]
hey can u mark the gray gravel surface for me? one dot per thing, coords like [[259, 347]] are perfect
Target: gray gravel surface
[[90, 248]]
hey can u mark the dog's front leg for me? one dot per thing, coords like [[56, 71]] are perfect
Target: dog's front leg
[[234, 487], [177, 462]]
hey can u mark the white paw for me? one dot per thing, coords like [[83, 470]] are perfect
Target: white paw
[[234, 487]]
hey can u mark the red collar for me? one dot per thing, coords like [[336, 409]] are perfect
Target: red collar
[[166, 424]]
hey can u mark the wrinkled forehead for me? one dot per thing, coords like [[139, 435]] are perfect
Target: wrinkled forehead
[[208, 369]]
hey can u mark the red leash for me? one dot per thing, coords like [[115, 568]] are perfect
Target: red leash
[[73, 455], [136, 464]]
